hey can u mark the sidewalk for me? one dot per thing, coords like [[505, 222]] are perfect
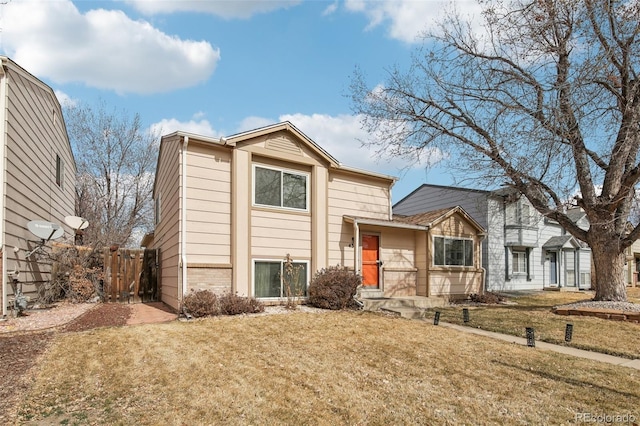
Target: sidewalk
[[150, 313], [596, 356]]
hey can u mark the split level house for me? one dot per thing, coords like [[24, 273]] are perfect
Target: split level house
[[230, 210], [523, 250], [37, 176]]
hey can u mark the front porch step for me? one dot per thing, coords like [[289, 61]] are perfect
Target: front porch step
[[414, 302], [563, 289], [406, 312]]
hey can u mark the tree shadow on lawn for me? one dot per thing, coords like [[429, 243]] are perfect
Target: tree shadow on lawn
[[567, 380]]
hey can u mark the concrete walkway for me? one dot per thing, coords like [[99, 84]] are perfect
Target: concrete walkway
[[595, 356], [150, 313]]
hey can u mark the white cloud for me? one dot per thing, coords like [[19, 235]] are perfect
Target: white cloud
[[330, 9], [225, 9], [342, 137], [196, 125], [408, 19], [251, 123], [65, 100], [101, 48]]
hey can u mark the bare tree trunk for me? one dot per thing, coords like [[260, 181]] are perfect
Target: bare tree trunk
[[608, 262]]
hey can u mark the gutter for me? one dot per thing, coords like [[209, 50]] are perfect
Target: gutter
[[3, 144], [183, 219]]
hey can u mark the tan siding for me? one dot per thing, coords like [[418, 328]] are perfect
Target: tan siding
[[282, 146], [355, 196], [454, 226], [455, 282], [35, 134], [208, 204], [166, 236], [421, 263], [398, 248], [275, 233]]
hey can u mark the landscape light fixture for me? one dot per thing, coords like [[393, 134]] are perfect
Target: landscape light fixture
[[436, 318], [531, 338], [465, 314], [568, 333]]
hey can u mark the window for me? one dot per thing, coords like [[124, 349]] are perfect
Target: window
[[518, 213], [271, 279], [451, 251], [157, 209], [519, 262], [280, 188], [570, 263], [59, 171]]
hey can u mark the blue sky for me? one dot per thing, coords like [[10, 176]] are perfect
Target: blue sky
[[221, 67]]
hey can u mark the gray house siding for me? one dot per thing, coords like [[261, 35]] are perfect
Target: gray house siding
[[474, 202], [515, 231]]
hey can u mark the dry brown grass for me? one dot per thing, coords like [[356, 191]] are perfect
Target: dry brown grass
[[325, 368], [534, 310]]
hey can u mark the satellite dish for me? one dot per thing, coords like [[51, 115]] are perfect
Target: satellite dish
[[45, 230], [76, 222]]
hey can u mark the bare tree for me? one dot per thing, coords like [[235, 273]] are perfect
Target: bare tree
[[115, 160], [546, 100]]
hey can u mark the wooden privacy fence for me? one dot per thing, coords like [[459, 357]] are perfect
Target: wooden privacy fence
[[130, 275]]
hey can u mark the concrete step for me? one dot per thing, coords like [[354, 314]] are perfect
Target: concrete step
[[370, 293], [406, 312], [378, 303]]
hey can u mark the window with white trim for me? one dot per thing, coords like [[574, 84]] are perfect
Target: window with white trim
[[281, 188], [274, 279], [452, 251]]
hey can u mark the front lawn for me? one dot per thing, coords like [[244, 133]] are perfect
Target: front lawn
[[534, 310], [315, 368]]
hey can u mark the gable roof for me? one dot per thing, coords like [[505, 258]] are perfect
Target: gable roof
[[232, 140], [561, 242], [431, 218], [288, 126]]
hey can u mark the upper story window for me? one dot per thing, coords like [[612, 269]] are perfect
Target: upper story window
[[59, 171], [452, 252], [519, 213], [280, 188]]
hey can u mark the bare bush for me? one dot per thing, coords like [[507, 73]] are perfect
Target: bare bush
[[204, 303], [334, 288]]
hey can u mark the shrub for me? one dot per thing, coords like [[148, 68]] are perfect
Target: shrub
[[232, 304], [205, 303], [201, 303], [487, 298], [334, 288]]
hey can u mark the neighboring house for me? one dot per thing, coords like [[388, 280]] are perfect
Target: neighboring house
[[37, 173], [522, 250], [632, 270], [229, 211]]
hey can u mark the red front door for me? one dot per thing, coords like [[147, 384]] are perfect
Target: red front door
[[370, 260]]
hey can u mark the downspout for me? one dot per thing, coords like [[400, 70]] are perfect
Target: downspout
[[3, 143], [183, 219], [356, 246], [483, 276]]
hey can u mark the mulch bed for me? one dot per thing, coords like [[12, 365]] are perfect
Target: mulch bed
[[20, 352]]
